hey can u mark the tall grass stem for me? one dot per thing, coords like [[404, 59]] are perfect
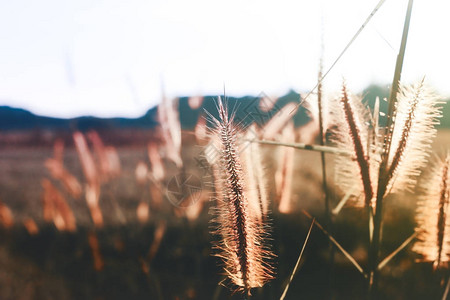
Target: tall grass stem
[[382, 179], [298, 261]]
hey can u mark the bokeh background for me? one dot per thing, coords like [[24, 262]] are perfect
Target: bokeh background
[[102, 109]]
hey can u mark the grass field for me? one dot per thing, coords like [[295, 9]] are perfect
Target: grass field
[[59, 265]]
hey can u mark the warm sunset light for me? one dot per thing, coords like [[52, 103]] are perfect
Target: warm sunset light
[[209, 150], [108, 58]]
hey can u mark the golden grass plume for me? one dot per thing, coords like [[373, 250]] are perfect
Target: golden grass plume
[[417, 113], [433, 216], [31, 226], [143, 212], [6, 216], [251, 156], [59, 172], [56, 209], [415, 116], [97, 256], [242, 246], [285, 170], [170, 129], [351, 121]]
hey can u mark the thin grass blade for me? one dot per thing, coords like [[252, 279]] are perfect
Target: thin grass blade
[[303, 146], [346, 254], [382, 180], [298, 260], [402, 246], [343, 201], [361, 28], [447, 288], [370, 224]]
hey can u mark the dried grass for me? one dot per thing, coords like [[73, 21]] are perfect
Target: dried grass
[[6, 216], [241, 246], [433, 216], [56, 209]]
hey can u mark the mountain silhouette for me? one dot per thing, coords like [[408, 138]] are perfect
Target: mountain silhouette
[[21, 126]]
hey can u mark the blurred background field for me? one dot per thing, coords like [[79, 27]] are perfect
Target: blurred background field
[[166, 254], [105, 189]]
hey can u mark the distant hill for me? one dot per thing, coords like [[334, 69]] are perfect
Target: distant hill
[[373, 91], [18, 126], [21, 127], [16, 119], [445, 121]]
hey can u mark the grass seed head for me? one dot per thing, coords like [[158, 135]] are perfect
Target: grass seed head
[[417, 113], [433, 216], [242, 234]]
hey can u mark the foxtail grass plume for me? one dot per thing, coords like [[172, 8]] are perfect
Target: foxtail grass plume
[[311, 105], [31, 226], [195, 102], [99, 149], [241, 246], [317, 112], [59, 172], [141, 173], [97, 256], [352, 121], [56, 209], [108, 159], [279, 121], [92, 189], [6, 216], [255, 174], [285, 170], [143, 212], [170, 129], [156, 174], [156, 163], [433, 216], [92, 192], [86, 158], [159, 233], [416, 115]]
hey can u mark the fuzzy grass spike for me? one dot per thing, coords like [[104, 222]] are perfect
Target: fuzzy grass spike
[[433, 216], [246, 258]]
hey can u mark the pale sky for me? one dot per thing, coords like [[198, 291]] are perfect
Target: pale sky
[[108, 58]]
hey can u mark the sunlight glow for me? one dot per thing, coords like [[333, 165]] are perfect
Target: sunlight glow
[[106, 58]]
